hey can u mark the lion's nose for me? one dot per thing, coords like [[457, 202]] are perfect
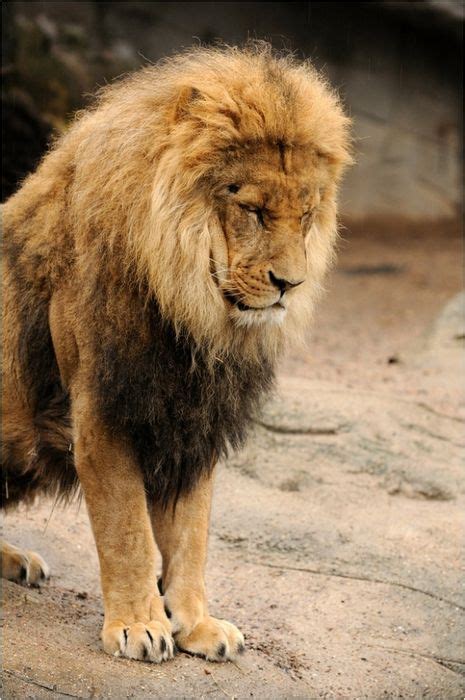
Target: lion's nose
[[282, 284]]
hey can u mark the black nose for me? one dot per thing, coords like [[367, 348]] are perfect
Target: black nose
[[281, 284]]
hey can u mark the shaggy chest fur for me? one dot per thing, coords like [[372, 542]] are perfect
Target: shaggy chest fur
[[178, 413], [155, 391]]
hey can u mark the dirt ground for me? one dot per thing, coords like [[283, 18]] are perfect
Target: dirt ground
[[336, 534]]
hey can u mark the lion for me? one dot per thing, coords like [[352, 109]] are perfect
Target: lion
[[167, 249]]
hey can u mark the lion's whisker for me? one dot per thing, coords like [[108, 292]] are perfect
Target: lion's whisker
[[219, 273]]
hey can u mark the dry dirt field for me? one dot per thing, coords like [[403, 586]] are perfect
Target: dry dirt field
[[336, 534]]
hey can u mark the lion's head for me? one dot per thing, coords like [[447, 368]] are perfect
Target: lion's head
[[266, 201], [224, 168]]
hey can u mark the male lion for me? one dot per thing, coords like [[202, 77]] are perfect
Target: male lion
[[155, 264]]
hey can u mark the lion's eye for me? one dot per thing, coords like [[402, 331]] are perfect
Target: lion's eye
[[233, 188], [254, 211]]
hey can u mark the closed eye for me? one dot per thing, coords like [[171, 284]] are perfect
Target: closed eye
[[256, 211], [307, 215]]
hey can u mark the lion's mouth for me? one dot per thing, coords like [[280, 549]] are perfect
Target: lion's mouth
[[244, 307]]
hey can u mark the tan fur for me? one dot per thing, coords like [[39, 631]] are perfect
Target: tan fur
[[182, 539], [211, 179], [135, 622]]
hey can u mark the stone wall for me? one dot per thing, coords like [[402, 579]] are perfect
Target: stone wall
[[397, 66]]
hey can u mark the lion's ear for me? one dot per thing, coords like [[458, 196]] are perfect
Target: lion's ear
[[190, 97], [186, 97], [339, 157]]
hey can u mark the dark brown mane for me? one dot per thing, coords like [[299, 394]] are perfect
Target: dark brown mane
[[161, 393]]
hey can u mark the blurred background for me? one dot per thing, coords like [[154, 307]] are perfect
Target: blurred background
[[337, 535], [397, 66]]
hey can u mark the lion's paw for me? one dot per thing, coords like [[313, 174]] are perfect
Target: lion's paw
[[23, 566], [144, 641], [216, 640]]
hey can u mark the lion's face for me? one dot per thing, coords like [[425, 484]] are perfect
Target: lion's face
[[266, 204]]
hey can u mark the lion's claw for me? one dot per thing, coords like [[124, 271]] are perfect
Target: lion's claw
[[150, 641], [23, 566], [216, 640]]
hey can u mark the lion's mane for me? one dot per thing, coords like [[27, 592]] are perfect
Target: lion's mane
[[122, 209], [144, 158]]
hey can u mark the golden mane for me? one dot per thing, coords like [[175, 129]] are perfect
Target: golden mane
[[143, 159]]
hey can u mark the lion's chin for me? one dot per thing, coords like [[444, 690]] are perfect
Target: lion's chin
[[272, 315]]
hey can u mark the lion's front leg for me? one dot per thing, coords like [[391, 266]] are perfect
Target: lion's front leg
[[182, 539], [135, 624]]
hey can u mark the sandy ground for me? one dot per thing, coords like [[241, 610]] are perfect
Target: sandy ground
[[336, 534]]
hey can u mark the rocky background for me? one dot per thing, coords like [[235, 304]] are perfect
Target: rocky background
[[396, 64]]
